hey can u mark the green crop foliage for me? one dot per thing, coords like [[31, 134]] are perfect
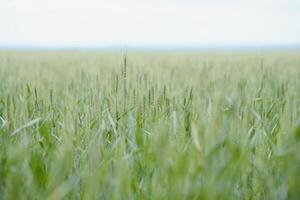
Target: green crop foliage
[[149, 125]]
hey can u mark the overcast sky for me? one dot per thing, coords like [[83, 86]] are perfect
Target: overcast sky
[[94, 23]]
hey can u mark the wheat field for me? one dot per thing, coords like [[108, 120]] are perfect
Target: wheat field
[[149, 125]]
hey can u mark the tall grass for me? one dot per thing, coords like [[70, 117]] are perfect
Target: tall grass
[[92, 125]]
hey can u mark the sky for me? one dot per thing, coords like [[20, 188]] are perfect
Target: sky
[[149, 23]]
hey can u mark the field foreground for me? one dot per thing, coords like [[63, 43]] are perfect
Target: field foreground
[[100, 125]]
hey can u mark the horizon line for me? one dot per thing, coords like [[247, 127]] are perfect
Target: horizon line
[[151, 47]]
